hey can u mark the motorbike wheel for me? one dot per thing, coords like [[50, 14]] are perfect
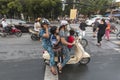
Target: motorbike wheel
[[18, 34], [84, 42], [34, 37], [118, 36], [3, 35], [84, 61]]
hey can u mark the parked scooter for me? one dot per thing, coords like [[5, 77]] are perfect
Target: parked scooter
[[80, 55], [10, 30], [34, 34]]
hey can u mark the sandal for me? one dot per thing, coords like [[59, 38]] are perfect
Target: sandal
[[59, 67], [53, 71]]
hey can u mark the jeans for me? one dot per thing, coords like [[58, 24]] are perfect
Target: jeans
[[51, 53], [66, 53]]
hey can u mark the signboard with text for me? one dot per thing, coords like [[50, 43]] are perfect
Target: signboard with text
[[73, 13]]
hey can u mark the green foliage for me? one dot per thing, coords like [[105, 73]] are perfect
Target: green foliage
[[95, 6], [31, 8], [50, 8], [88, 7]]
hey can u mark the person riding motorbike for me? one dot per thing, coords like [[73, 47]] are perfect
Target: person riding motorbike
[[71, 38], [64, 43], [55, 38], [55, 41], [45, 36], [5, 25], [37, 25]]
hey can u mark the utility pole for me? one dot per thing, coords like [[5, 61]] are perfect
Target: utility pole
[[74, 4], [63, 4]]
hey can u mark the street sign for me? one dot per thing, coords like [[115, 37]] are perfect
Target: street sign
[[73, 13]]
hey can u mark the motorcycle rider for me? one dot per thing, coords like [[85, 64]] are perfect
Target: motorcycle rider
[[55, 40], [45, 36], [71, 39], [5, 25], [64, 43], [37, 25]]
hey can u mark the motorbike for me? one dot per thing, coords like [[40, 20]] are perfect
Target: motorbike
[[10, 30], [34, 34], [80, 55]]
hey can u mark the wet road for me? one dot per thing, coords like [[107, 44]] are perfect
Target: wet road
[[104, 65], [21, 59]]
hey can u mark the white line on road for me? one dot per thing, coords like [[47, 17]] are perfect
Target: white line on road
[[49, 75]]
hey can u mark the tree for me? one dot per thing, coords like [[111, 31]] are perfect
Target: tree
[[88, 7], [94, 6], [14, 7]]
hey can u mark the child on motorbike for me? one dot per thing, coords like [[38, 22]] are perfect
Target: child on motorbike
[[71, 39], [45, 36], [55, 41], [55, 38]]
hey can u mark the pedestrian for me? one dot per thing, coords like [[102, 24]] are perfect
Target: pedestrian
[[107, 32], [45, 36], [83, 27], [95, 25], [64, 43], [101, 31]]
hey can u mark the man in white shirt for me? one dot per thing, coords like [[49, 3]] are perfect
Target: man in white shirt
[[37, 25], [4, 23]]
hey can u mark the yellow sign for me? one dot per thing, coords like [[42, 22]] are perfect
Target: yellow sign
[[73, 13]]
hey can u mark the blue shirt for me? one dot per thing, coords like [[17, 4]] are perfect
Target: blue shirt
[[53, 39], [45, 41]]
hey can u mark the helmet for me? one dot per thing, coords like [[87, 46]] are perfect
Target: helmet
[[64, 22], [53, 29], [45, 21]]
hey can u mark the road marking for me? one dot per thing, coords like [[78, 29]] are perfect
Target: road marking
[[49, 75]]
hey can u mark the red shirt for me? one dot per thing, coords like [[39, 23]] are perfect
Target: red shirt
[[70, 40]]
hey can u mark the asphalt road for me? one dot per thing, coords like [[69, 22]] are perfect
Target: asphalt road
[[21, 59]]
